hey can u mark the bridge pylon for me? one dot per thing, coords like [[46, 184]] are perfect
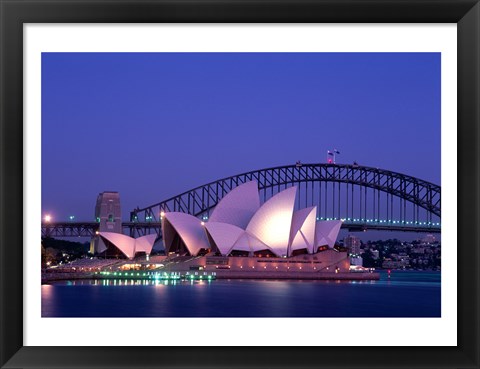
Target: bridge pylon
[[108, 215]]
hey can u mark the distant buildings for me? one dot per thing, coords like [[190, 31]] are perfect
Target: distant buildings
[[429, 239], [353, 244], [356, 260], [396, 254]]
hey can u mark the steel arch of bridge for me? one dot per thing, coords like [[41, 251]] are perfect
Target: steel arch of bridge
[[358, 180]]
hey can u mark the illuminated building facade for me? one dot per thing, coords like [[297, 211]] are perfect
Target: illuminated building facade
[[353, 244], [241, 226]]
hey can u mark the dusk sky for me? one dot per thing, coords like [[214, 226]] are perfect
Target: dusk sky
[[153, 125]]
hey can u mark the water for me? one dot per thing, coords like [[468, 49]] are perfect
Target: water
[[405, 294]]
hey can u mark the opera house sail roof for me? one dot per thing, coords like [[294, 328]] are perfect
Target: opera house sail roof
[[223, 235], [271, 223], [239, 224], [238, 206], [183, 230], [302, 235], [128, 246]]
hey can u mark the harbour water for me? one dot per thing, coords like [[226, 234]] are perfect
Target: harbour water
[[404, 294]]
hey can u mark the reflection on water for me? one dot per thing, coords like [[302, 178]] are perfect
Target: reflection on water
[[404, 294], [127, 282]]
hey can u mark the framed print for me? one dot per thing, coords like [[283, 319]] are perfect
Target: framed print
[[212, 181]]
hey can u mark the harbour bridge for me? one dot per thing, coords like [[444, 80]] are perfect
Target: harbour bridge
[[365, 198]]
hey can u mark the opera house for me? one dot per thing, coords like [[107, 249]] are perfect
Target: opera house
[[239, 226], [242, 235]]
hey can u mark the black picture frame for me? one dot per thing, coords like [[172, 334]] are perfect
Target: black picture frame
[[15, 13]]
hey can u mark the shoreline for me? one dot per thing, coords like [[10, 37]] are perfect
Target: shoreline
[[342, 276]]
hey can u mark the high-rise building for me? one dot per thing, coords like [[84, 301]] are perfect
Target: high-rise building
[[352, 243], [356, 260]]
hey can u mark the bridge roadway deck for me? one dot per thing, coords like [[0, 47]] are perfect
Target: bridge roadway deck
[[136, 229]]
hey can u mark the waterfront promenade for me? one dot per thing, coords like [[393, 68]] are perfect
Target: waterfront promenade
[[225, 274]]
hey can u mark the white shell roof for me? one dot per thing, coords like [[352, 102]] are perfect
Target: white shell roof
[[302, 235], [168, 232], [243, 243], [256, 244], [189, 228], [225, 235], [239, 223], [248, 242], [326, 232], [271, 223], [124, 243], [238, 206], [100, 246], [145, 243], [128, 245]]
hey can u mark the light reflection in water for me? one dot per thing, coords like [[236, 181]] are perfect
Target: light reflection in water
[[130, 282], [271, 284], [245, 298], [47, 290]]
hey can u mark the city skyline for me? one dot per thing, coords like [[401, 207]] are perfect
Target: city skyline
[[154, 125]]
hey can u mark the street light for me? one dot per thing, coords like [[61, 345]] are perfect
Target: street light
[[48, 218]]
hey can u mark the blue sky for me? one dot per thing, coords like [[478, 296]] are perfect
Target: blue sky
[[152, 125]]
